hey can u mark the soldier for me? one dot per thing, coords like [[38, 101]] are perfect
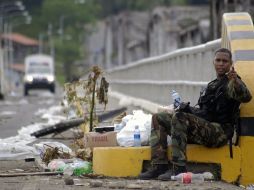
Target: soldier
[[212, 124]]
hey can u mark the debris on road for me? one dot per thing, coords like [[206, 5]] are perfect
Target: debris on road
[[29, 174], [65, 125]]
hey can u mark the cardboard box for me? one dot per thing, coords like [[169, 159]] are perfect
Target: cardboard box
[[94, 139]]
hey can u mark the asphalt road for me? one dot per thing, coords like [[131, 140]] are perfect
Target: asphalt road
[[17, 110]]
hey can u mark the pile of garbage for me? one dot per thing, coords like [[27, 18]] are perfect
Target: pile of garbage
[[125, 129], [57, 157], [76, 167]]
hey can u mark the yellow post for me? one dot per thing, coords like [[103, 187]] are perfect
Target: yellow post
[[238, 35]]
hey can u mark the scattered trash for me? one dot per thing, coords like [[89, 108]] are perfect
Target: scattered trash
[[140, 119], [78, 168], [18, 170], [42, 146], [56, 165], [68, 124], [84, 154], [69, 167], [250, 187], [29, 174], [52, 150], [9, 151], [54, 153], [7, 113], [134, 186], [191, 177]]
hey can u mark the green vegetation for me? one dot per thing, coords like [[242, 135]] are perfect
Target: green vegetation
[[63, 21]]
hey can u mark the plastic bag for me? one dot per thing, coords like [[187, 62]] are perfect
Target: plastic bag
[[77, 168], [41, 148], [14, 151], [56, 165], [126, 136]]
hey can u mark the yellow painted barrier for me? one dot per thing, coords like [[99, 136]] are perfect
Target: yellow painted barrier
[[128, 161], [238, 35], [120, 161]]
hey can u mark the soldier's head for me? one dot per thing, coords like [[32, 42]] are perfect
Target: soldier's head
[[222, 61]]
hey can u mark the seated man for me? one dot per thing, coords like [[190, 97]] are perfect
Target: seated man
[[211, 124]]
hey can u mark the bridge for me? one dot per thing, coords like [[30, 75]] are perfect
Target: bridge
[[147, 83]]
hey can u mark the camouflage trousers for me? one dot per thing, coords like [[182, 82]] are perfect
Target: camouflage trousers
[[183, 128]]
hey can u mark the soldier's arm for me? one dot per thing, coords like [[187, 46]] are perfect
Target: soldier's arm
[[238, 90]]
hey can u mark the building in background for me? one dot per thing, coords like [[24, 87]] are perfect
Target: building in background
[[131, 36], [177, 27], [19, 46], [16, 48], [218, 7]]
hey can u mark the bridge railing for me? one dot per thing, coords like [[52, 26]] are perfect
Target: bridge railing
[[185, 70]]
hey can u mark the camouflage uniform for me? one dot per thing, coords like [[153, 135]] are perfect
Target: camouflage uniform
[[192, 128]]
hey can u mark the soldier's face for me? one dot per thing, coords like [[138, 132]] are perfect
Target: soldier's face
[[222, 63]]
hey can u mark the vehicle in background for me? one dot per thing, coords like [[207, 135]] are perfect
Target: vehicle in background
[[39, 73]]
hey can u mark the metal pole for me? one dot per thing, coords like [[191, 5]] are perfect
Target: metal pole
[[5, 56], [1, 56], [11, 76], [2, 71], [40, 43], [52, 50], [11, 47]]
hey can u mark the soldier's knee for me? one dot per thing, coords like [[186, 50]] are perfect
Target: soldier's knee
[[161, 116], [178, 122], [178, 116]]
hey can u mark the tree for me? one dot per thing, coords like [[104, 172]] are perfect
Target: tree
[[66, 19]]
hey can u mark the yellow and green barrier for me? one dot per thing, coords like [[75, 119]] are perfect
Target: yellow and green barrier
[[238, 36]]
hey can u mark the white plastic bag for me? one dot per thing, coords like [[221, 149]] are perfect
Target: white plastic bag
[[41, 148], [14, 151], [126, 136]]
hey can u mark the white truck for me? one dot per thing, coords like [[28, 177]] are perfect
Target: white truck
[[39, 73]]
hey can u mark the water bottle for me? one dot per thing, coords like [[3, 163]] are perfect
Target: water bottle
[[56, 165], [188, 177], [68, 170], [137, 137], [176, 98]]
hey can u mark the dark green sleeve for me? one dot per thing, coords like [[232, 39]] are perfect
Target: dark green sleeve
[[238, 91]]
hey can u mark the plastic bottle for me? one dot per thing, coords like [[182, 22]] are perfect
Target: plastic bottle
[[68, 170], [78, 168], [188, 177], [56, 165], [82, 167], [137, 137], [176, 98]]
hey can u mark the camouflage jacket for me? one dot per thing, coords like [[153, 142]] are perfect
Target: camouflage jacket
[[221, 100]]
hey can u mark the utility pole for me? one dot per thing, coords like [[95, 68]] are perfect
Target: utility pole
[[40, 43], [6, 10], [1, 56], [51, 41]]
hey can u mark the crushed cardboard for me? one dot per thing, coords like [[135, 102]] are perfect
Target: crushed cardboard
[[94, 139]]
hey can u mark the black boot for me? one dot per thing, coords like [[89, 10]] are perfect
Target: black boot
[[154, 172], [176, 170]]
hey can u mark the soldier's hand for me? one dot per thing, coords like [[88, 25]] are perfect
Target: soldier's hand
[[232, 75], [184, 107]]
